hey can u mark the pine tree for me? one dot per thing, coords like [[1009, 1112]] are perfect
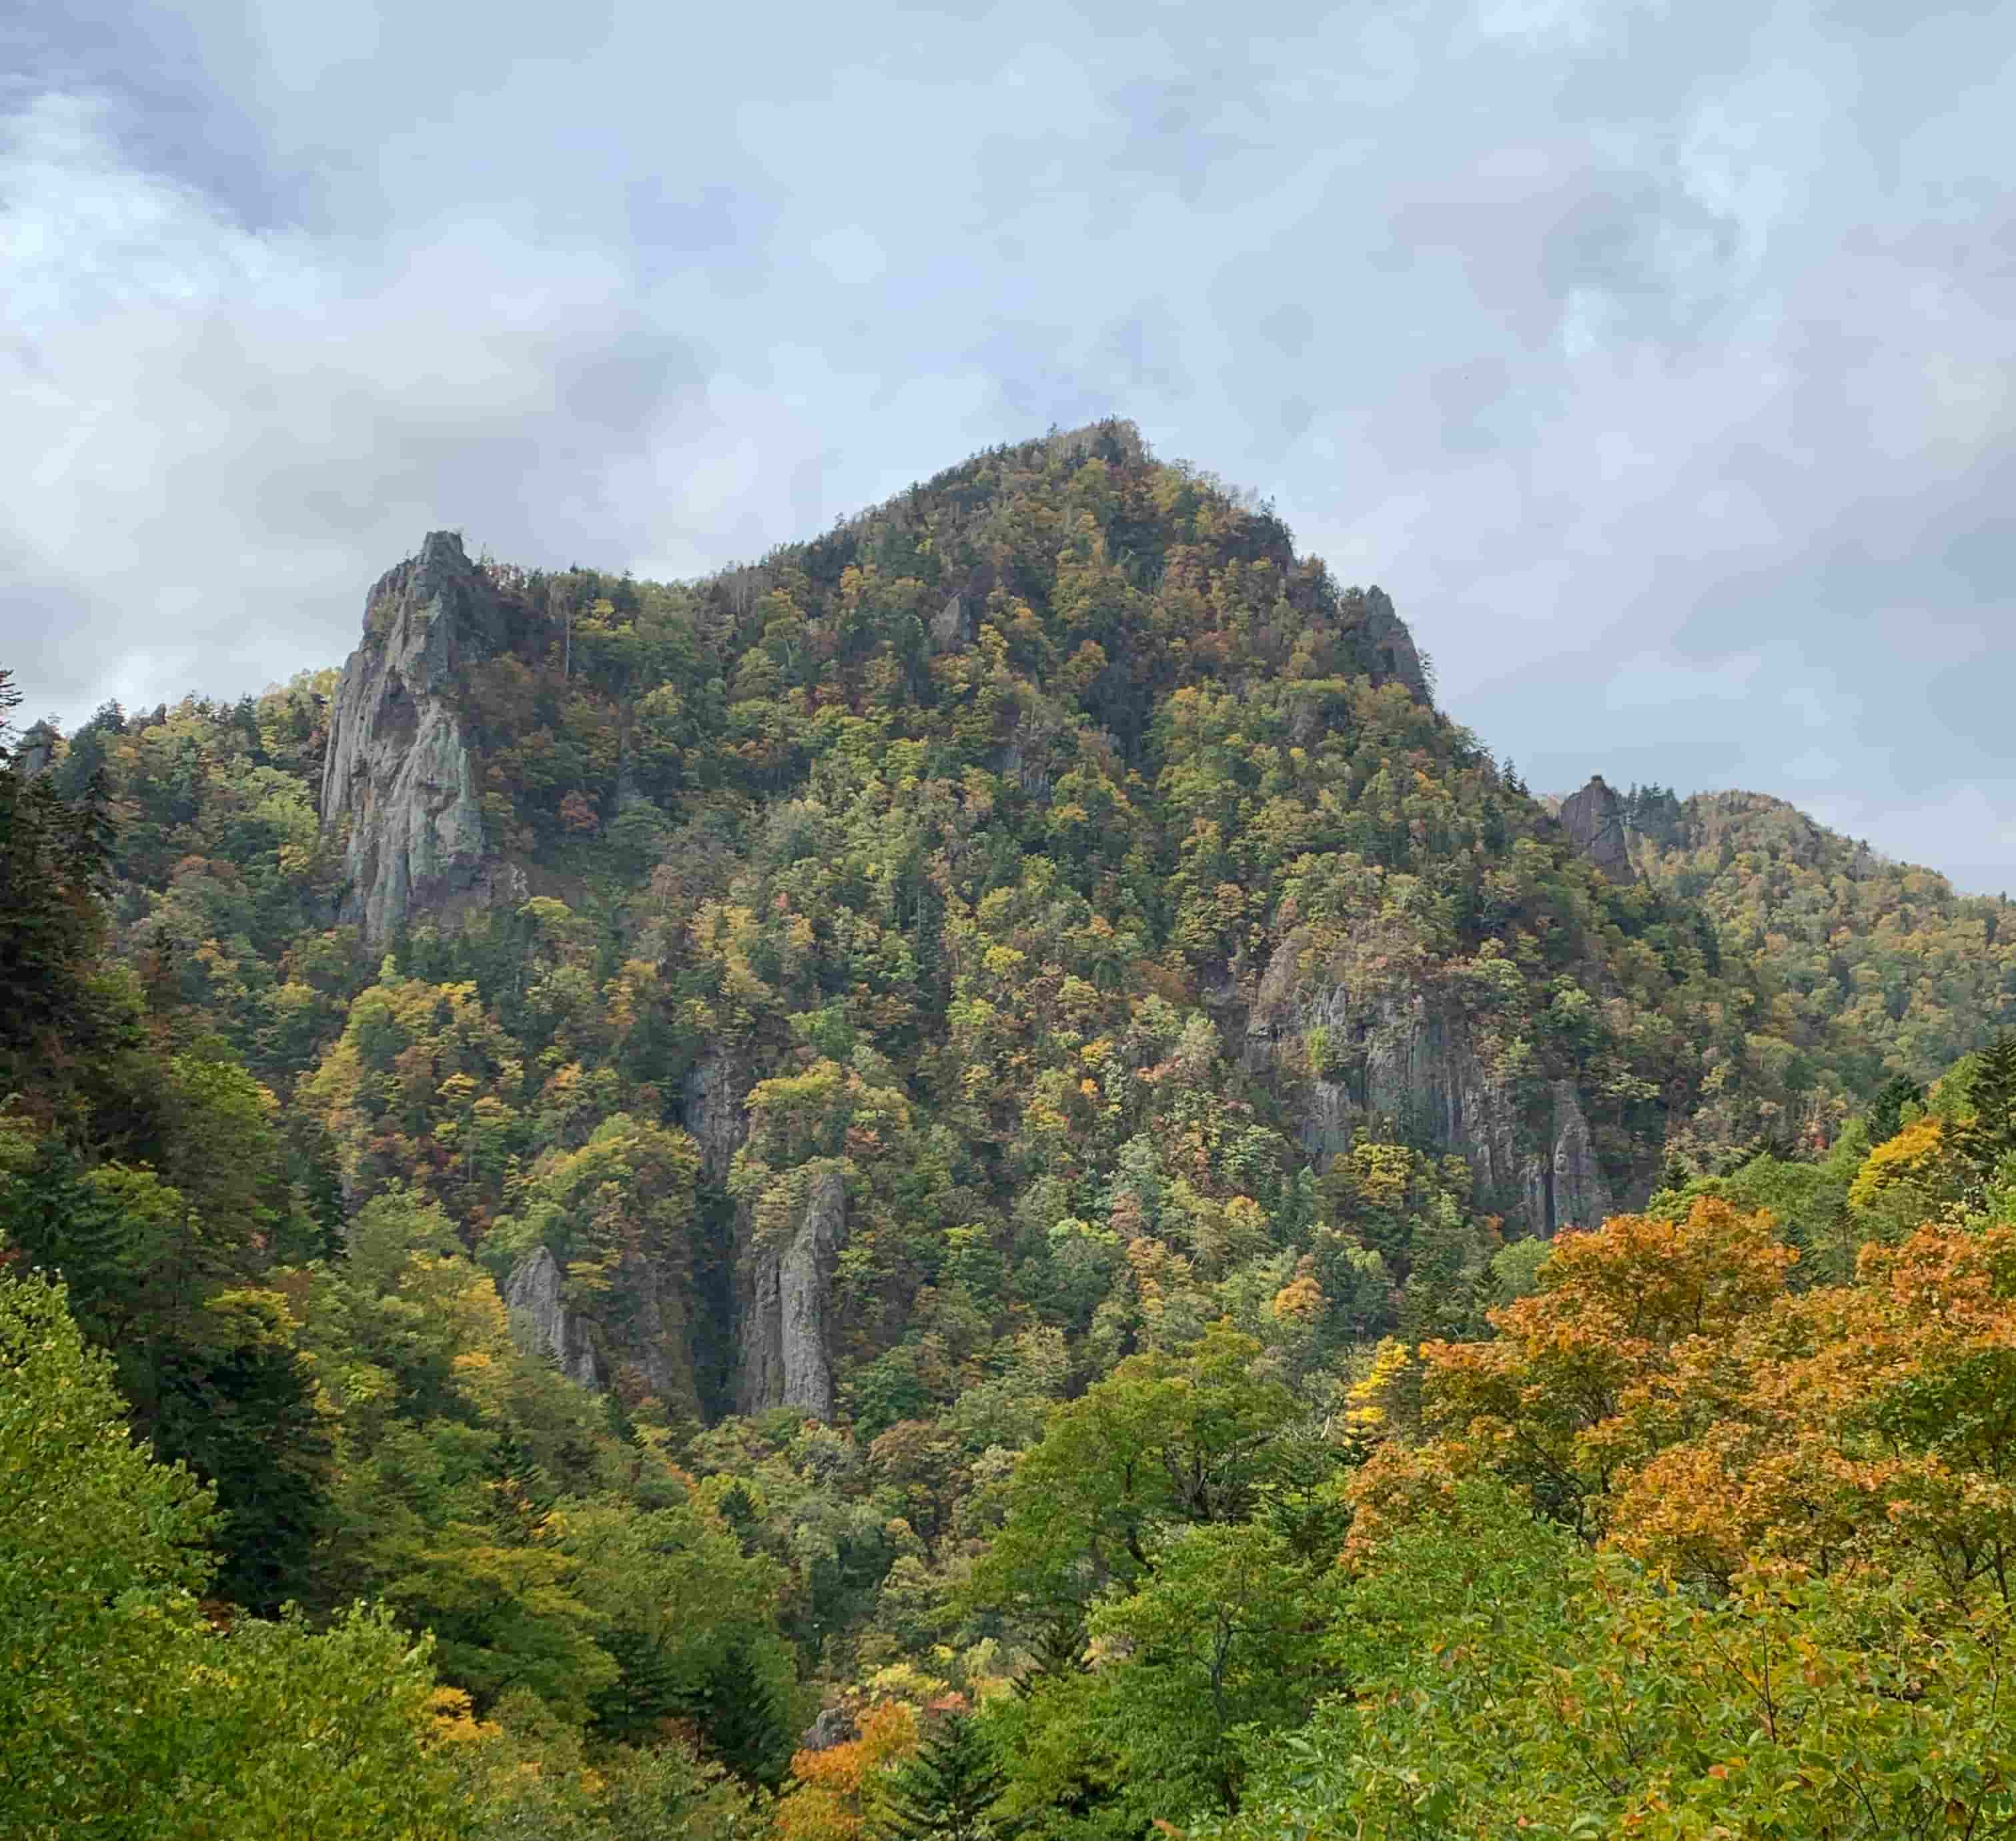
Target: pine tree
[[1886, 1111], [737, 1708], [1058, 1647], [949, 1790], [54, 860], [1994, 1090], [1990, 1135]]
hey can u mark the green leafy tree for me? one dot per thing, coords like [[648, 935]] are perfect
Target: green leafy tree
[[1509, 1682], [691, 1622], [1165, 1439], [125, 1709], [1224, 1639]]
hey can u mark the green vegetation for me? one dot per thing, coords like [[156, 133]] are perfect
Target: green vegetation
[[1871, 970], [1041, 933]]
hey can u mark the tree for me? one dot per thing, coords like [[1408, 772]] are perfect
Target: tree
[[1990, 1134], [1225, 1639], [55, 858], [209, 1363], [949, 1789], [126, 1710], [1886, 1110], [1507, 1680], [1554, 1403], [1663, 1396], [1870, 1425], [691, 1621], [1164, 1440], [832, 1791]]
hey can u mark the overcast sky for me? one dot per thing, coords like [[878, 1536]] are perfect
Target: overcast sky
[[1655, 358]]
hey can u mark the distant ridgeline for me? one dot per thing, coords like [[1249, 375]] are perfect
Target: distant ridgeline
[[1043, 901], [1873, 969]]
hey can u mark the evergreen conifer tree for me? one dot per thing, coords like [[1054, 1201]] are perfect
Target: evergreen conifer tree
[[1990, 1135], [1886, 1111], [949, 1790], [1995, 1089], [738, 1711]]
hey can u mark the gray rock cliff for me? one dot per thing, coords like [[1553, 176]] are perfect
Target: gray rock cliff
[[649, 1342], [1581, 1195], [1394, 1053], [1388, 642], [834, 1726], [533, 1297], [785, 1359], [38, 750], [951, 631], [716, 1109], [399, 773], [1594, 818], [654, 1340]]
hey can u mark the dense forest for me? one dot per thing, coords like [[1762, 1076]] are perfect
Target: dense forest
[[1877, 969], [979, 1180]]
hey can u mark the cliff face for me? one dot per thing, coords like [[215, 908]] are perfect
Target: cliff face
[[1387, 643], [657, 1339], [399, 773], [652, 1342], [716, 1094], [784, 1356], [1400, 1054], [533, 1296], [1594, 820]]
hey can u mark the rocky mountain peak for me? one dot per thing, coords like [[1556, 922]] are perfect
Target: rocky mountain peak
[[445, 604], [399, 775], [1594, 820], [1388, 643]]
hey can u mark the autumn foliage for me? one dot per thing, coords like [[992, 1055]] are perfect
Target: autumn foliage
[[832, 1791], [1666, 1396]]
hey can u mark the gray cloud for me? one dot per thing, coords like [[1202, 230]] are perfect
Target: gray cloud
[[1656, 360]]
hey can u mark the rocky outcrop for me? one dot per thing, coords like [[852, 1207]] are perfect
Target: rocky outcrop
[[1395, 1054], [784, 1357], [834, 1726], [1386, 643], [950, 630], [399, 773], [1580, 1196], [650, 1341], [1594, 818], [715, 1112], [533, 1297], [37, 752]]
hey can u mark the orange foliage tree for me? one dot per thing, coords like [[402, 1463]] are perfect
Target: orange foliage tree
[[1568, 1393], [1665, 1395], [832, 1792]]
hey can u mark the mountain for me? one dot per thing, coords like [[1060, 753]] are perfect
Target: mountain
[[987, 1092], [1050, 863]]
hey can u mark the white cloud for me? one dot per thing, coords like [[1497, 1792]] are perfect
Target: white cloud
[[1622, 344], [850, 255]]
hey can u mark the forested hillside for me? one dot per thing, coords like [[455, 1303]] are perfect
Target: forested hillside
[[1877, 970], [979, 1126]]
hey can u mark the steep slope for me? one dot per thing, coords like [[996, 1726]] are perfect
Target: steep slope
[[1045, 900]]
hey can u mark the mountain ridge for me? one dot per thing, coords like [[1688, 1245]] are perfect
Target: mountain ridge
[[929, 1111], [926, 877]]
